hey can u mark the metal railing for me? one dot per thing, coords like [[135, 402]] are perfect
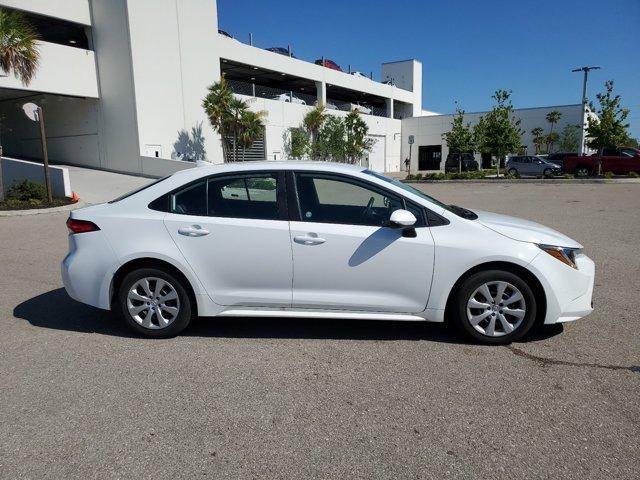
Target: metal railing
[[272, 93]]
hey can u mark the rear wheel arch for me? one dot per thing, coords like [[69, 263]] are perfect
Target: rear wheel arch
[[150, 262], [522, 272]]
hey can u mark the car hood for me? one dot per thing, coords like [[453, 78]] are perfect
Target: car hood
[[524, 230]]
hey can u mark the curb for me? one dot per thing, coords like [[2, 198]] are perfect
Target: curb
[[42, 211], [561, 181]]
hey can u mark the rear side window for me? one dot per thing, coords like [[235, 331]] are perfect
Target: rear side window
[[191, 200], [252, 196], [144, 187]]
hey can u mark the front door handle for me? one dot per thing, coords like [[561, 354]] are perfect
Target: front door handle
[[310, 239], [193, 231]]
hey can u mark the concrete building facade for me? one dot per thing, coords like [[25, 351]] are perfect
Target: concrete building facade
[[121, 83]]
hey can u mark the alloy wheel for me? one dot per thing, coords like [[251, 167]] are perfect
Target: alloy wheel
[[153, 303], [496, 309]]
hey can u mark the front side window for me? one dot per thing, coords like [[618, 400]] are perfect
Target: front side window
[[251, 196], [329, 199], [628, 152]]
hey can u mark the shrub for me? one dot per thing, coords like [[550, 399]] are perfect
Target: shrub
[[26, 191], [633, 174], [608, 175], [418, 176]]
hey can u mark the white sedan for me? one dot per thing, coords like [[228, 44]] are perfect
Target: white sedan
[[314, 239]]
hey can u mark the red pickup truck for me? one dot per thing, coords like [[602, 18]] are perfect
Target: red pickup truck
[[617, 160]]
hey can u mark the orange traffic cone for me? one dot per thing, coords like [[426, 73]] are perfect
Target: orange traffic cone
[[74, 197]]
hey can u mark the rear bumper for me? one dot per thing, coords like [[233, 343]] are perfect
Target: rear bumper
[[88, 268], [569, 291]]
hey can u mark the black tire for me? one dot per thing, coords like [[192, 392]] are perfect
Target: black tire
[[512, 171], [582, 171], [468, 287], [178, 323]]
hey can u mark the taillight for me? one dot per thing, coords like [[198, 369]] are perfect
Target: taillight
[[81, 226]]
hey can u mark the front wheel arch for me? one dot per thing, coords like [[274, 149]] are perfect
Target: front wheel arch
[[526, 275], [148, 262]]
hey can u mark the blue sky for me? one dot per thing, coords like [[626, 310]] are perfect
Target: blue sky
[[468, 49]]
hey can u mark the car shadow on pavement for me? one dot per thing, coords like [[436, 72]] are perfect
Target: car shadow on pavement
[[56, 310]]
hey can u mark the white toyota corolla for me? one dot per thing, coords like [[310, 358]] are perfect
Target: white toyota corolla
[[314, 239]]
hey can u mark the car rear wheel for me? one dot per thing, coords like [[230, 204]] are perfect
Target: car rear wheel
[[494, 307], [154, 303], [583, 171], [512, 171], [547, 172]]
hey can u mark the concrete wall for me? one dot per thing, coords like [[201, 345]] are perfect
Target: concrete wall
[[73, 10], [428, 130], [282, 115], [174, 58], [64, 70], [14, 171], [71, 128]]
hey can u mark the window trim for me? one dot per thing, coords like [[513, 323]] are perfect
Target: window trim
[[281, 198], [295, 213]]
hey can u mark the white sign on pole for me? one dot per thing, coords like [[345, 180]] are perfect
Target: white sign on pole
[[31, 111]]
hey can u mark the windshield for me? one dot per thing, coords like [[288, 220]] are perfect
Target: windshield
[[408, 188]]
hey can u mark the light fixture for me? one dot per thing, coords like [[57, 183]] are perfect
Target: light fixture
[[255, 68], [253, 78], [224, 61], [283, 74], [73, 42]]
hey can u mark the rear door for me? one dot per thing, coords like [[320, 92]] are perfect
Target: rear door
[[234, 232], [344, 254]]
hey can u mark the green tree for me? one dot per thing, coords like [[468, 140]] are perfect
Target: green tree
[[460, 138], [553, 118], [538, 138], [313, 122], [332, 145], [251, 129], [498, 132], [357, 142], [18, 46], [296, 143], [570, 139], [231, 118], [609, 128]]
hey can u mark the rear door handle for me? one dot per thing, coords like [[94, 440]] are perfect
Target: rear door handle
[[193, 231], [310, 239]]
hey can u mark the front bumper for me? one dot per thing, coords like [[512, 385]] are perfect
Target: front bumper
[[569, 291]]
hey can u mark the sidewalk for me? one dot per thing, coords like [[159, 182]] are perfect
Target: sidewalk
[[97, 186]]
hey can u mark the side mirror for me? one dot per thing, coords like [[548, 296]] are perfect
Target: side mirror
[[402, 218]]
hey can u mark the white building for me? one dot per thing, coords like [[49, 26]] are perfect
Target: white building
[[121, 83], [430, 150]]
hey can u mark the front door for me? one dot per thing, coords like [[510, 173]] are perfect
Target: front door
[[344, 254], [429, 157], [235, 235]]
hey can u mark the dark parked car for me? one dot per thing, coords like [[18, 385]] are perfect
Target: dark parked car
[[328, 63], [281, 51], [452, 164], [558, 158], [226, 34]]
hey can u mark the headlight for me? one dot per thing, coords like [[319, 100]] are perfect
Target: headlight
[[565, 254]]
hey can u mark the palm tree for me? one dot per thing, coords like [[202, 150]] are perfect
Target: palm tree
[[538, 140], [313, 122], [18, 48], [251, 129], [216, 105], [356, 136], [552, 117]]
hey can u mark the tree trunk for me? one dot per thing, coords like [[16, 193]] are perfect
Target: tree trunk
[[600, 152]]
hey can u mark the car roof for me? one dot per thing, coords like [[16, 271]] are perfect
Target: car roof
[[212, 169]]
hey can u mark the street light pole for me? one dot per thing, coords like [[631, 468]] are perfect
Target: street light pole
[[586, 71]]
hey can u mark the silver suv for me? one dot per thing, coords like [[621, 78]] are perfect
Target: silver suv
[[531, 165]]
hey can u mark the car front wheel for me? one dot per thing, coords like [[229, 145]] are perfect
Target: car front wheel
[[154, 303], [494, 307], [512, 171]]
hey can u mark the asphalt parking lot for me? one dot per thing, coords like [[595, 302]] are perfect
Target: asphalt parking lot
[[81, 397]]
